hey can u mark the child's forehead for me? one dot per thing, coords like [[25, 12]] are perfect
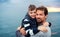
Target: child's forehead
[[32, 11]]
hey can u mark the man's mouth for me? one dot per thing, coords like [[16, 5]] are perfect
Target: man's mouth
[[38, 19]]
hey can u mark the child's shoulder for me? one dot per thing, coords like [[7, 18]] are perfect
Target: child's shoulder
[[25, 20], [47, 24]]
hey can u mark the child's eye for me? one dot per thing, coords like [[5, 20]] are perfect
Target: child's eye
[[34, 12]]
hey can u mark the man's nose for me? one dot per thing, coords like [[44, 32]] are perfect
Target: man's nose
[[38, 16]]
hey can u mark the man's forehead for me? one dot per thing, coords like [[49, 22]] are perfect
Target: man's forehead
[[40, 11]]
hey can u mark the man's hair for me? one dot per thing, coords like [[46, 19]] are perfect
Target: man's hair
[[31, 7], [43, 9]]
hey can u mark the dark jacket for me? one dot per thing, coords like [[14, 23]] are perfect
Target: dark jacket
[[29, 23]]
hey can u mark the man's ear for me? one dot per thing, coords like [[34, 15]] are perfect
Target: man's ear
[[46, 16]]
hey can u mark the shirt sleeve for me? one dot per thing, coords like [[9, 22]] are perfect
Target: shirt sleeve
[[25, 23], [35, 30]]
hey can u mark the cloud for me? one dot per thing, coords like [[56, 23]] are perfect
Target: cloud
[[3, 1], [53, 9], [52, 5]]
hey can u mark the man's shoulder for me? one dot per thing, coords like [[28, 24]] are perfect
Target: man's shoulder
[[49, 23]]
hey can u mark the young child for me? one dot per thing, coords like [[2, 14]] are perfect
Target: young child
[[29, 22]]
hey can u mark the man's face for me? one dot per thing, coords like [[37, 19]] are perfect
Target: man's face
[[40, 16], [32, 13]]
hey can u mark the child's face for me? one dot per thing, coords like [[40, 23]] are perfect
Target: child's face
[[32, 13]]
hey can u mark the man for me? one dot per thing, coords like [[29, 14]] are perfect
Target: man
[[41, 16]]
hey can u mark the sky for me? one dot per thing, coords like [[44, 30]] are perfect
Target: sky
[[52, 5]]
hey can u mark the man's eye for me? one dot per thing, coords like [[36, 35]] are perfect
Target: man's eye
[[30, 12], [40, 14]]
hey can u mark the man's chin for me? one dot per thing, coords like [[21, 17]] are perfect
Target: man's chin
[[38, 20], [33, 17]]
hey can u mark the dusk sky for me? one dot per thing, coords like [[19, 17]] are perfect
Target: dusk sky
[[52, 5]]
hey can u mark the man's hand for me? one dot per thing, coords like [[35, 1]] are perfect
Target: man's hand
[[22, 31], [42, 28]]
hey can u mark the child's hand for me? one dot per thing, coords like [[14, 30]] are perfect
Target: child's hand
[[45, 24], [42, 28], [18, 28], [22, 31]]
